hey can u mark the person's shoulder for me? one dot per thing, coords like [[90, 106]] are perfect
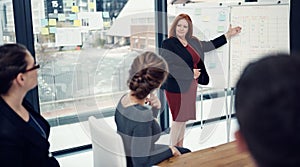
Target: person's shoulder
[[170, 39], [136, 112], [169, 42], [194, 39], [9, 129]]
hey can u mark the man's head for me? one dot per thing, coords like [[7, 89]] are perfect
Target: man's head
[[268, 110]]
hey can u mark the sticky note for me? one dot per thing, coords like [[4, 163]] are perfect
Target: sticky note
[[52, 29], [220, 29], [44, 22], [45, 31], [61, 17], [105, 15], [197, 11], [206, 18], [91, 5], [52, 22], [106, 24], [212, 65], [75, 9], [72, 17], [222, 17], [68, 3], [77, 23]]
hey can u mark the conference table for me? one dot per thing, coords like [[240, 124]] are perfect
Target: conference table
[[225, 155]]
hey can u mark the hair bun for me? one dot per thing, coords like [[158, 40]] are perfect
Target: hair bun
[[147, 72]]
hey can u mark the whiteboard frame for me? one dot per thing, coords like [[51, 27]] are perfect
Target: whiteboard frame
[[246, 4]]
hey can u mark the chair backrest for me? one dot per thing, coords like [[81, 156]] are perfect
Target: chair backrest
[[108, 148]]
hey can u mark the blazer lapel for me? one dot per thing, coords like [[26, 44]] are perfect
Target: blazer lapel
[[185, 54], [197, 46]]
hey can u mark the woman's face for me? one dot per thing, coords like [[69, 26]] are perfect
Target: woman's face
[[182, 28], [31, 75]]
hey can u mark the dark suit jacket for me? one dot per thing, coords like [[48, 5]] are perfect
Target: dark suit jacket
[[20, 144], [180, 62]]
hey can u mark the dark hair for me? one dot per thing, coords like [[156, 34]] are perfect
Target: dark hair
[[268, 110], [172, 31], [147, 72], [12, 62]]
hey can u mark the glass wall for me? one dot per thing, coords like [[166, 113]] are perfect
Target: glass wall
[[84, 55], [7, 26], [85, 48]]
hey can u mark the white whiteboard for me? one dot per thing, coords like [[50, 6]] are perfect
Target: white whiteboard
[[90, 20], [265, 30], [210, 21], [68, 37]]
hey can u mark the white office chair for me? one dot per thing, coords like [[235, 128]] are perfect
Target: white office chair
[[108, 149]]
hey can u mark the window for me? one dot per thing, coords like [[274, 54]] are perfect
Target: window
[[83, 63], [84, 52], [7, 26]]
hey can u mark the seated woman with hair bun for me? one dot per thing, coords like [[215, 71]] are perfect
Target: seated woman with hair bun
[[137, 122]]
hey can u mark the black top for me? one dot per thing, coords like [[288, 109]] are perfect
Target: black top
[[20, 144], [180, 62], [139, 131], [38, 125]]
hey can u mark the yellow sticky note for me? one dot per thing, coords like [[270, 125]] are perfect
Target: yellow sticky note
[[91, 5], [77, 23], [44, 31], [52, 22], [205, 18], [106, 24], [75, 9]]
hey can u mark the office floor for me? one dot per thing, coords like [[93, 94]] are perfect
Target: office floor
[[196, 138]]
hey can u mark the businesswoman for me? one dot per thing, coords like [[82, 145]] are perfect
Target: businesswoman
[[137, 121], [23, 132], [184, 54]]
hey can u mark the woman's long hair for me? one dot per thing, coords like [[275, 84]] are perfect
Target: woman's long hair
[[172, 31]]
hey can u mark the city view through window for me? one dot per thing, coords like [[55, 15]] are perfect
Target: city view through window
[[84, 48]]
